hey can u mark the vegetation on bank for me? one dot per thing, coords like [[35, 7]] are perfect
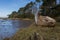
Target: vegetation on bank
[[34, 32]]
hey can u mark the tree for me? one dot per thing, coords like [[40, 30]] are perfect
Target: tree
[[14, 14], [21, 12], [47, 5]]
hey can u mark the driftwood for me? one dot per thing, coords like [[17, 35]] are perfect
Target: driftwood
[[46, 21]]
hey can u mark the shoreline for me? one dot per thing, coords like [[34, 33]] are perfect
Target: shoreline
[[16, 18]]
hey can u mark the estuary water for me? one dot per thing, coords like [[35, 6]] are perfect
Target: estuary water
[[9, 27]]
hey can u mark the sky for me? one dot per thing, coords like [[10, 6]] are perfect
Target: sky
[[7, 6]]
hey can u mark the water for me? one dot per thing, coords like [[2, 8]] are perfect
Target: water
[[9, 27]]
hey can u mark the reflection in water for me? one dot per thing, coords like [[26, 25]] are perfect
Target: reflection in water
[[9, 27]]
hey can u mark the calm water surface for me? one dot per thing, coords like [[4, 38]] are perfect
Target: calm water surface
[[9, 27]]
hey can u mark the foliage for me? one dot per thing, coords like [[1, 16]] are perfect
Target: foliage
[[13, 15], [49, 8]]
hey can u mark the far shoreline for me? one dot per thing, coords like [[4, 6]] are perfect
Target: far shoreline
[[16, 18]]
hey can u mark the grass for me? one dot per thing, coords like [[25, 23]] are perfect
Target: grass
[[44, 33]]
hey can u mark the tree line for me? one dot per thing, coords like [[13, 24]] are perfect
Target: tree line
[[48, 8]]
